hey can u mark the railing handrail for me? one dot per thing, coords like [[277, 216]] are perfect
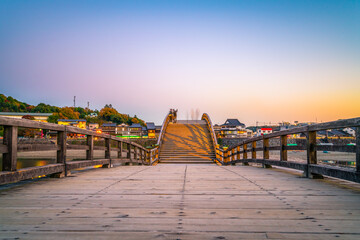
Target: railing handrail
[[26, 123], [352, 122], [207, 119], [163, 129], [310, 167], [135, 153]]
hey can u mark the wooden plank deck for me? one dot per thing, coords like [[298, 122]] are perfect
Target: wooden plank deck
[[181, 202]]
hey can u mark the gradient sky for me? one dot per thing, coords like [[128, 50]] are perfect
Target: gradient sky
[[266, 61]]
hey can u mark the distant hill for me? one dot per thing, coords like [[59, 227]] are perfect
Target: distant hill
[[9, 104], [106, 114]]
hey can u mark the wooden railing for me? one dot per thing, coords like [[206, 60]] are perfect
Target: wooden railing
[[135, 153], [210, 127], [246, 151], [154, 153]]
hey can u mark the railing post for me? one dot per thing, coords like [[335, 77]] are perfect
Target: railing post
[[120, 146], [107, 148], [238, 153], [90, 144], [61, 152], [142, 156], [128, 154], [157, 154], [136, 155], [311, 154], [357, 149], [253, 150], [283, 150], [10, 139], [311, 148], [61, 142], [245, 155], [245, 151], [266, 152], [107, 152]]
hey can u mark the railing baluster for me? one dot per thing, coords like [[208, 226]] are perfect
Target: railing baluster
[[90, 144], [10, 139], [283, 150]]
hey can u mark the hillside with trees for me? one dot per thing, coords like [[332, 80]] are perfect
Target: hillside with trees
[[106, 114]]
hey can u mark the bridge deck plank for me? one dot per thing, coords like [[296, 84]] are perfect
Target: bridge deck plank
[[181, 202]]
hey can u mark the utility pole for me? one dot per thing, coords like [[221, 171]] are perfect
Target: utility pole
[[88, 105]]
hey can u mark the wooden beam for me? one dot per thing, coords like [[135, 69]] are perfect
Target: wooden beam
[[283, 150], [10, 140]]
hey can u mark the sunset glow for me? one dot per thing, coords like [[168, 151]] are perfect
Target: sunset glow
[[266, 61]]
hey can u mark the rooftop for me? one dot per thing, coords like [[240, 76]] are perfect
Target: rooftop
[[71, 120], [150, 126], [233, 122]]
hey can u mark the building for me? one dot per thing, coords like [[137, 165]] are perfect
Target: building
[[80, 123], [151, 129], [157, 130], [144, 132], [135, 130], [123, 130], [41, 117], [350, 130], [263, 131], [109, 128], [232, 128], [93, 126], [233, 123]]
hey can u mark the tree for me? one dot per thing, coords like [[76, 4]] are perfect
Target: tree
[[63, 113], [107, 112]]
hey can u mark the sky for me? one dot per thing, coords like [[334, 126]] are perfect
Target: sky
[[259, 61]]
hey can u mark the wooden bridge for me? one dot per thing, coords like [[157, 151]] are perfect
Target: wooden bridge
[[227, 200]]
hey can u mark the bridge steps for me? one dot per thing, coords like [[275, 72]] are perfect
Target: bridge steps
[[187, 142]]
